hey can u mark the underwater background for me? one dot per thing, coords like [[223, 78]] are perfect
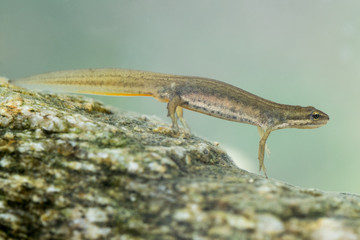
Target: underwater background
[[292, 52]]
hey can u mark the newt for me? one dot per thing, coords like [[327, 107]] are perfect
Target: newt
[[203, 95]]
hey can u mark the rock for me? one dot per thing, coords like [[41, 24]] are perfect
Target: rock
[[71, 168]]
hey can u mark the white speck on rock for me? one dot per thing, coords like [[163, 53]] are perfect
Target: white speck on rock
[[17, 181], [5, 118], [80, 122], [112, 156], [192, 211], [96, 215], [2, 204], [5, 161], [133, 167], [8, 217], [182, 215], [154, 166], [52, 189], [269, 224], [103, 155], [331, 229], [54, 124], [95, 232], [81, 166], [31, 146], [202, 147], [8, 135], [265, 189], [239, 222], [179, 151]]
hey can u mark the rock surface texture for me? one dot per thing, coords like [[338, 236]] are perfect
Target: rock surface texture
[[71, 168]]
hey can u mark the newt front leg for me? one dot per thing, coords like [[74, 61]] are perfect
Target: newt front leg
[[175, 111]]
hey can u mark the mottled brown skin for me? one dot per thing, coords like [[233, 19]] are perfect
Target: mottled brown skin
[[207, 96]]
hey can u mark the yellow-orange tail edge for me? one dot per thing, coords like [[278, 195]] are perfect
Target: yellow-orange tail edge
[[115, 94]]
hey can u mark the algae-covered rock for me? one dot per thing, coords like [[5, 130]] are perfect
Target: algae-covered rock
[[71, 168]]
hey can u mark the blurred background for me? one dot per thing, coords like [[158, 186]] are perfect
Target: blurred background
[[292, 52]]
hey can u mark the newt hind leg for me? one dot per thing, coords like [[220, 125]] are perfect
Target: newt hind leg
[[172, 106], [175, 112], [180, 115]]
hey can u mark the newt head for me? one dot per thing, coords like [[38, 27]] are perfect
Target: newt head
[[303, 118]]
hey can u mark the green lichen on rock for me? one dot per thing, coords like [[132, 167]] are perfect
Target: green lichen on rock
[[71, 168]]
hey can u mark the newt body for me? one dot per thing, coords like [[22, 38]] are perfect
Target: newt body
[[207, 96]]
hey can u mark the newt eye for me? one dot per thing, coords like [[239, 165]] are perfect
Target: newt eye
[[315, 115]]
